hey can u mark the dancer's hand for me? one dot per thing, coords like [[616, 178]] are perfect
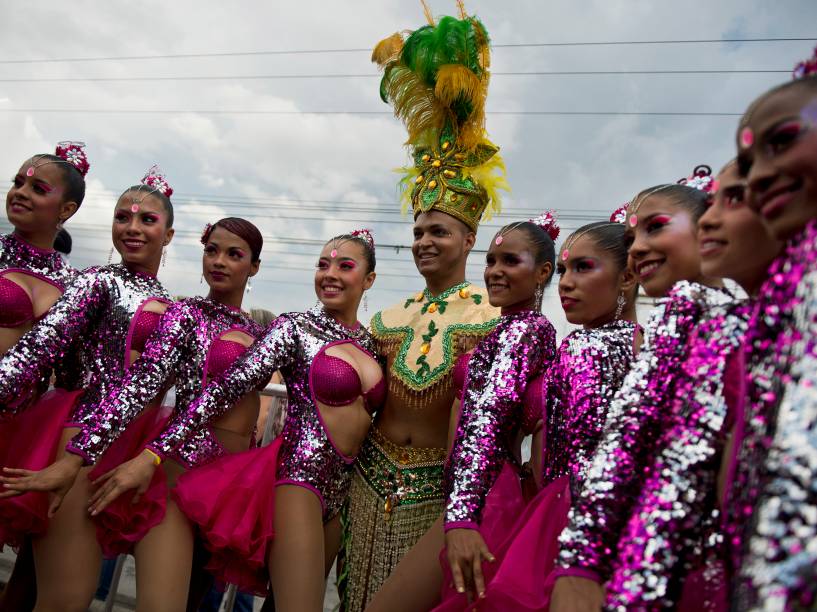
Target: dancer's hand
[[134, 474], [466, 550], [576, 594], [56, 479]]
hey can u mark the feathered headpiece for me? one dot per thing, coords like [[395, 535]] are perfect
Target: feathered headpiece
[[157, 181], [436, 78]]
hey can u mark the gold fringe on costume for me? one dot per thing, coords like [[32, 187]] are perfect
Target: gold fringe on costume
[[396, 496]]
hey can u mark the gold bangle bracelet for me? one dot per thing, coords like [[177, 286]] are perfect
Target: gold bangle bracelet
[[157, 460]]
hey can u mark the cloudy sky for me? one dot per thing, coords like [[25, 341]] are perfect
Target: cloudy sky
[[310, 153]]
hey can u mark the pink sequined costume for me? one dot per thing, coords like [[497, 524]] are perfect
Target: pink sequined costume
[[646, 515], [97, 321], [238, 528], [772, 501], [501, 401], [186, 350]]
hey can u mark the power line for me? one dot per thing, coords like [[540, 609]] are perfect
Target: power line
[[259, 77], [112, 111], [368, 49]]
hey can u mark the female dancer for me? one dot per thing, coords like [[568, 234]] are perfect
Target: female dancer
[[334, 384], [45, 192], [773, 545], [648, 500], [500, 405], [196, 339], [104, 317], [598, 292]]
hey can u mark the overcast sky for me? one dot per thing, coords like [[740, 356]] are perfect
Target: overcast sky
[[310, 176]]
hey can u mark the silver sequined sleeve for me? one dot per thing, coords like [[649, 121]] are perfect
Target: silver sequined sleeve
[[634, 419], [144, 381], [47, 344], [278, 346], [518, 349]]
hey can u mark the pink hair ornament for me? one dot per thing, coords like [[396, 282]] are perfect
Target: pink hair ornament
[[700, 179], [620, 214], [806, 68], [157, 181]]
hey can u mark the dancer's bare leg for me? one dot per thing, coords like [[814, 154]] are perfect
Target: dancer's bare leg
[[331, 538], [296, 560], [67, 558], [415, 582]]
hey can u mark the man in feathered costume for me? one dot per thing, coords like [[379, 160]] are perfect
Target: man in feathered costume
[[436, 78]]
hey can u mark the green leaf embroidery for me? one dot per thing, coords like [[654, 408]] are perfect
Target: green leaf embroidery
[[477, 298]]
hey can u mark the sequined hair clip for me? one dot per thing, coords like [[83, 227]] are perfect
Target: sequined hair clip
[[365, 234], [700, 179], [806, 68], [73, 153], [157, 181], [620, 214]]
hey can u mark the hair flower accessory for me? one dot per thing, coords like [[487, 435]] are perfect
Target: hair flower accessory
[[701, 179], [157, 181], [547, 221], [73, 153], [364, 234], [620, 214], [806, 68], [205, 234]]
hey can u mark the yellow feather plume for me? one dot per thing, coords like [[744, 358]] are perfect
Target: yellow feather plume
[[492, 176], [405, 186], [455, 82], [388, 50], [414, 102]]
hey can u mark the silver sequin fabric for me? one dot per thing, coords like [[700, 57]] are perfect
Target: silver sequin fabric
[[175, 354], [646, 511], [588, 371], [88, 324], [307, 456], [772, 519], [518, 349]]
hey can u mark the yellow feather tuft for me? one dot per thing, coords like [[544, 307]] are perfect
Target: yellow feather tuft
[[388, 50], [406, 186], [461, 9], [455, 82], [414, 103], [492, 176], [427, 13]]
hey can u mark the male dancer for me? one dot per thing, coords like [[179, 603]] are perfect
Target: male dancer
[[396, 493]]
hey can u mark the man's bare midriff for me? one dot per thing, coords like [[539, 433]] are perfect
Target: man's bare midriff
[[425, 427]]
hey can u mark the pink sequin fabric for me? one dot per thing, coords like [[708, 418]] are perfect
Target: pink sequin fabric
[[772, 517], [175, 355], [307, 456], [519, 348], [585, 376], [646, 513], [88, 325]]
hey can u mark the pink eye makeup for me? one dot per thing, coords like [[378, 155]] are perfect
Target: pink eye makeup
[[348, 265]]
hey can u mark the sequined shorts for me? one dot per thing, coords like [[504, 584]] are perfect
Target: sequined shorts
[[396, 495]]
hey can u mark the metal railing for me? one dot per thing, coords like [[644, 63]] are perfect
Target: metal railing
[[272, 428]]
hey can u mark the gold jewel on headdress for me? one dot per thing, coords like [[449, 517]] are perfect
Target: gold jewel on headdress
[[436, 79]]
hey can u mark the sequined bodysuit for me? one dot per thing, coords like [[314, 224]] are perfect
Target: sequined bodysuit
[[519, 349], [186, 349], [772, 509], [586, 374], [307, 456], [93, 322], [648, 502]]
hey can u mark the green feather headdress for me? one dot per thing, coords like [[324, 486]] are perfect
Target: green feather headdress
[[436, 79]]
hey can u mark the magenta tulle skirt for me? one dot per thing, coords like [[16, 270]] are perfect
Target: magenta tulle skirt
[[31, 441], [525, 542], [232, 502], [122, 524]]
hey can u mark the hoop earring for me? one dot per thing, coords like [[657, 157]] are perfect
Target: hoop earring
[[110, 255], [537, 298], [621, 301]]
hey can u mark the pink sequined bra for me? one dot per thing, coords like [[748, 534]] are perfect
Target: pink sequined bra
[[143, 325], [222, 355], [16, 307], [336, 383]]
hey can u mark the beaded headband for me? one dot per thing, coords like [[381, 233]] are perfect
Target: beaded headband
[[70, 152], [547, 221]]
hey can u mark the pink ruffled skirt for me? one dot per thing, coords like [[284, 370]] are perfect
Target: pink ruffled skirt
[[525, 542], [232, 502], [31, 441], [122, 524]]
